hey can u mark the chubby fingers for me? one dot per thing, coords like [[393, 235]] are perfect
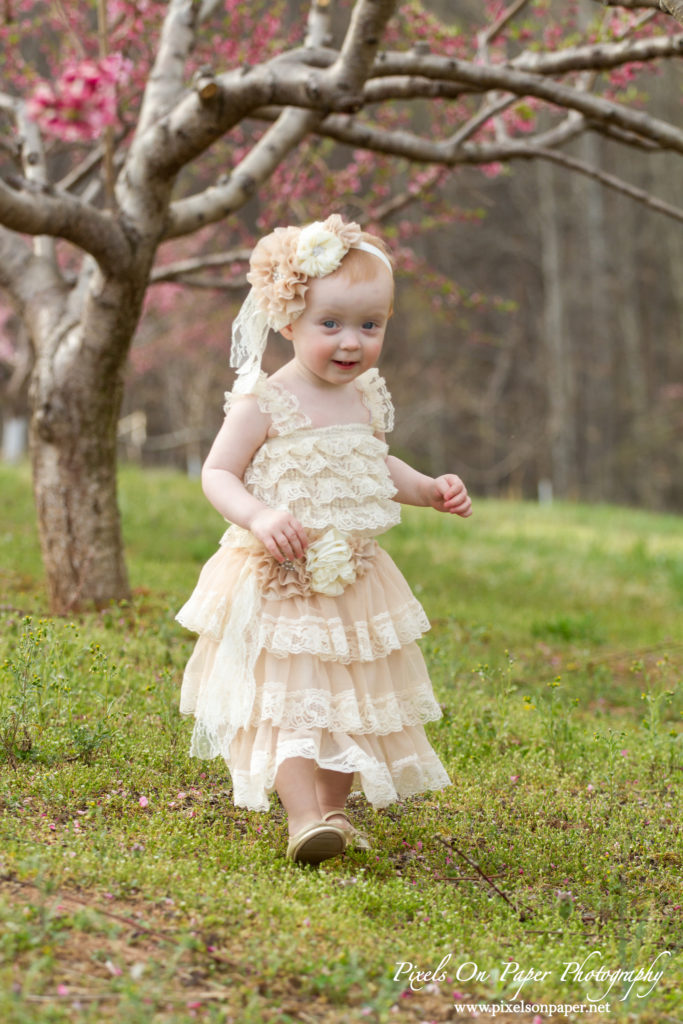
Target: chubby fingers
[[291, 541], [281, 534], [455, 497]]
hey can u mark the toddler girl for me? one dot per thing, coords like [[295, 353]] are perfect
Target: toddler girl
[[306, 677]]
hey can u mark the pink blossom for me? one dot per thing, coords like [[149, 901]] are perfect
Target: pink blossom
[[491, 170], [143, 801], [82, 101]]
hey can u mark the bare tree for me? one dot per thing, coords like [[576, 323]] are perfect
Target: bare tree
[[81, 327]]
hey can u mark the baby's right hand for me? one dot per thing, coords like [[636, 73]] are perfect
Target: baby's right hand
[[280, 533]]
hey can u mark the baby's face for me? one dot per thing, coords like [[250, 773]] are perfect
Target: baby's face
[[340, 333]]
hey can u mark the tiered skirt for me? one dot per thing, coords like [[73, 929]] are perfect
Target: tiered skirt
[[280, 671]]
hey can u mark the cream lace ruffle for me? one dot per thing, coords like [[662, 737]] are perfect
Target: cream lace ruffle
[[278, 403], [330, 640], [385, 768], [326, 476], [344, 712], [329, 476]]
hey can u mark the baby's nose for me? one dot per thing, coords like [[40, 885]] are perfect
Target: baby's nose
[[349, 339]]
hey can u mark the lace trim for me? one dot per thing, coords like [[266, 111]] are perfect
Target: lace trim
[[382, 784], [278, 403], [377, 398], [345, 713], [219, 710], [326, 490], [329, 442], [211, 603], [330, 640]]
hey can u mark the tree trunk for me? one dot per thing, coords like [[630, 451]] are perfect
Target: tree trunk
[[596, 347], [556, 340], [74, 480], [77, 388]]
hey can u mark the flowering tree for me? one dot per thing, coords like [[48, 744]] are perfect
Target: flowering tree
[[165, 118]]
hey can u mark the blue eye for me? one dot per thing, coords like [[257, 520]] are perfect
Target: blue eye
[[369, 325], [329, 323]]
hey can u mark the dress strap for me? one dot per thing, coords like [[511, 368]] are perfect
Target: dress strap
[[275, 401], [376, 398]]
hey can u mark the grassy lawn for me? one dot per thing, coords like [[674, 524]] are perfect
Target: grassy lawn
[[131, 888]]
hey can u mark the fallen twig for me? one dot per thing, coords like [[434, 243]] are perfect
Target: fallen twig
[[523, 913]]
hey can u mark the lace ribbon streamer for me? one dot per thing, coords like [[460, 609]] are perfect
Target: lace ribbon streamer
[[222, 708]]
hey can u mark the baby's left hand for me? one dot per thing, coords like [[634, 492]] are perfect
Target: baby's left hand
[[450, 495]]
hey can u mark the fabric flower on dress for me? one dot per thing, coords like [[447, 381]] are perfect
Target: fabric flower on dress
[[329, 561], [278, 580], [334, 559]]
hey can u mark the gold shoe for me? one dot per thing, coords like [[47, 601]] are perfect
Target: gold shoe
[[353, 837], [315, 843]]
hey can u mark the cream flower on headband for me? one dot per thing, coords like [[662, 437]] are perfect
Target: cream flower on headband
[[319, 251], [282, 262]]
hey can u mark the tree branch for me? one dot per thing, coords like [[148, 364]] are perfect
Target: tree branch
[[165, 85], [39, 210], [34, 165], [448, 152], [597, 57], [522, 83], [207, 283], [600, 56], [412, 87], [291, 127], [359, 49], [608, 180], [172, 271], [200, 118], [672, 7], [506, 17], [416, 149]]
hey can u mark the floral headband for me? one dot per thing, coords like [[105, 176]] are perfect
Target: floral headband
[[280, 267]]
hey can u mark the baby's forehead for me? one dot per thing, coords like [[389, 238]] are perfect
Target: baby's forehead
[[339, 291]]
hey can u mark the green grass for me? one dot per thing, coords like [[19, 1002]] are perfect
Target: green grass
[[133, 890]]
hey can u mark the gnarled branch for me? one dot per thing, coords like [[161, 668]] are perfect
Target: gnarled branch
[[291, 127], [37, 210]]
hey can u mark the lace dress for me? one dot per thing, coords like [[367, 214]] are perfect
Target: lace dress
[[315, 658]]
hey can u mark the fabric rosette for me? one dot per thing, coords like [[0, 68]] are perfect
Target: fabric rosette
[[283, 261], [331, 562], [279, 283]]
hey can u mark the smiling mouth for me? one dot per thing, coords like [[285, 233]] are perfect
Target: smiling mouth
[[344, 363]]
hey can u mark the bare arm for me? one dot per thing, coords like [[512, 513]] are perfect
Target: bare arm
[[445, 493], [244, 430]]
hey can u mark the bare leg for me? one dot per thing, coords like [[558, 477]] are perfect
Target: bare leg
[[332, 789], [295, 783]]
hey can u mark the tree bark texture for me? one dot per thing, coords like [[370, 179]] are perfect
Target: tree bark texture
[[76, 391]]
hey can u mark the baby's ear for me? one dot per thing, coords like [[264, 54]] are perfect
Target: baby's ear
[[286, 332]]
